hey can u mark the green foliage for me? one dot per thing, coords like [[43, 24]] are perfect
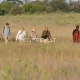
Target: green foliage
[[33, 8], [6, 7], [38, 7], [2, 11], [6, 71], [16, 9], [58, 5]]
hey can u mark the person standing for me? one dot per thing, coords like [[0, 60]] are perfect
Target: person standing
[[75, 34], [6, 32]]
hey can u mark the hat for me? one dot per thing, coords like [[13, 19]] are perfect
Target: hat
[[33, 29]]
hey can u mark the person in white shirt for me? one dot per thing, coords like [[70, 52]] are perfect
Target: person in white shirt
[[21, 35]]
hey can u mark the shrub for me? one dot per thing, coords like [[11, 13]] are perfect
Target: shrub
[[32, 8], [58, 5], [16, 10], [6, 7], [2, 12]]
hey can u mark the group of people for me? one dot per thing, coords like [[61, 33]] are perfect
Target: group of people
[[45, 34], [22, 33]]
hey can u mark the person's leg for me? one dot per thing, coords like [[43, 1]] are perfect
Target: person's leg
[[6, 39]]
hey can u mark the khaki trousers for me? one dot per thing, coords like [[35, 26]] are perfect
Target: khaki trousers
[[6, 39]]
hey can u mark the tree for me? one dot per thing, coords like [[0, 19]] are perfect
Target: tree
[[59, 5], [16, 9], [46, 1], [6, 6]]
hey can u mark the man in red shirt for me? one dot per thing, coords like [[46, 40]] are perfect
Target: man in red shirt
[[76, 34]]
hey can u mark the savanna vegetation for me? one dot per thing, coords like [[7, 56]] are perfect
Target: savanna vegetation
[[39, 61], [9, 8]]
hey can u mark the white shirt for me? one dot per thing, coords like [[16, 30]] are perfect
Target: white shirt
[[20, 35]]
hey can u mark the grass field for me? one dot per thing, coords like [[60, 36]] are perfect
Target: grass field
[[39, 61]]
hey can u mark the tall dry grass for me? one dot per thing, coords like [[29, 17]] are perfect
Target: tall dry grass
[[39, 61]]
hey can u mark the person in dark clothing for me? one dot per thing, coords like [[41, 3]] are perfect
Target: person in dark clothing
[[46, 34], [75, 34]]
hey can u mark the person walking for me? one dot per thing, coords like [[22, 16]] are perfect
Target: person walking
[[75, 34], [6, 32]]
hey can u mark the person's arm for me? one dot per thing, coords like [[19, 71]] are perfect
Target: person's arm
[[9, 31], [49, 34], [73, 32], [24, 33]]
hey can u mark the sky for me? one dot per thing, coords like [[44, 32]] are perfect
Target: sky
[[34, 0], [1, 1]]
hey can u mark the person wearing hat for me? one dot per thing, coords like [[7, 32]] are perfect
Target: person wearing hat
[[21, 35], [33, 35], [46, 34]]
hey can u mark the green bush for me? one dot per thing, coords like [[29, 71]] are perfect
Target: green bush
[[38, 7], [58, 5], [6, 7], [2, 12], [33, 8], [16, 9]]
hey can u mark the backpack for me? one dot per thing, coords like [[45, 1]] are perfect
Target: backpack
[[4, 29]]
